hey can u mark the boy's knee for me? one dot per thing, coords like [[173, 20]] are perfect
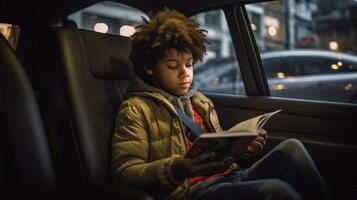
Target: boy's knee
[[291, 145], [293, 141], [277, 189]]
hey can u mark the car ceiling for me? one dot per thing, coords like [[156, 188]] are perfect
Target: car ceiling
[[38, 13]]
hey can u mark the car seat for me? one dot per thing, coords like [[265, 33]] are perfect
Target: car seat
[[86, 79], [25, 164]]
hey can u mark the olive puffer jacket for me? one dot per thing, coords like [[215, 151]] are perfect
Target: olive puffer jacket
[[149, 136]]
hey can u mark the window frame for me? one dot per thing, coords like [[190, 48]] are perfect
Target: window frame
[[246, 50]]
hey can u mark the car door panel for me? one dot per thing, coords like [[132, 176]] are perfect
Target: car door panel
[[326, 129]]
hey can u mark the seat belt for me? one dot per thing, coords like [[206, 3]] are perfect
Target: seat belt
[[190, 124]]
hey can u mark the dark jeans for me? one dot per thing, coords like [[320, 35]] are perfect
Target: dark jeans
[[287, 172]]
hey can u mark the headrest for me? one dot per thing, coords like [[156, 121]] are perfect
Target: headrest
[[116, 68], [69, 23], [107, 55]]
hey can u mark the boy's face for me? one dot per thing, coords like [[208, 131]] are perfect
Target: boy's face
[[174, 72]]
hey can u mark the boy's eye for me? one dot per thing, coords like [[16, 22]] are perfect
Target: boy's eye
[[172, 65], [189, 65]]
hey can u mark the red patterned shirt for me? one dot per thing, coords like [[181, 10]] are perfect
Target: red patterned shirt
[[199, 121]]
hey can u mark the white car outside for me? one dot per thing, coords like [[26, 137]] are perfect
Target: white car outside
[[304, 74]]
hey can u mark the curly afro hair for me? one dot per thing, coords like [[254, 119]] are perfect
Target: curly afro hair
[[166, 29]]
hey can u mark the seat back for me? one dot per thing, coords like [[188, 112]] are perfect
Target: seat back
[[25, 164], [96, 76], [88, 74]]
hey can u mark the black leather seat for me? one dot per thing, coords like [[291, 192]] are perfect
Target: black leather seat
[[89, 73], [25, 164]]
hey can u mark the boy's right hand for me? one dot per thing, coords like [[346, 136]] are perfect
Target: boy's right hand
[[201, 165]]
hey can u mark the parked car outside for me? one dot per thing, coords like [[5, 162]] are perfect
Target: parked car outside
[[303, 74]]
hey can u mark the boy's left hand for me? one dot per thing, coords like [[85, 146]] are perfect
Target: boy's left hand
[[258, 144]]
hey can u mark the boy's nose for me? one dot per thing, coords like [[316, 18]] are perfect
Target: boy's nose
[[184, 71]]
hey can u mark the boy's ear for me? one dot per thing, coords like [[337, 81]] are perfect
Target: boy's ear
[[148, 71]]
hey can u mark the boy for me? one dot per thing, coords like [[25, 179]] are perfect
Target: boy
[[150, 139]]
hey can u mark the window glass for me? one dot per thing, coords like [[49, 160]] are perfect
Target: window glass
[[11, 33], [219, 71], [314, 66], [109, 17], [276, 68], [308, 48]]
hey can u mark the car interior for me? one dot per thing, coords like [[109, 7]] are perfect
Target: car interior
[[62, 86], [26, 166]]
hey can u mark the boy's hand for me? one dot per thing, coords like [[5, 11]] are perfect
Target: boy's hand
[[201, 165], [258, 144]]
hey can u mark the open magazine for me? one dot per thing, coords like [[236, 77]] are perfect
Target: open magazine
[[232, 142]]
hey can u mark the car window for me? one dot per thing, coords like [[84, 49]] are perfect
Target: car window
[[276, 68], [219, 71], [109, 17], [315, 65], [308, 48]]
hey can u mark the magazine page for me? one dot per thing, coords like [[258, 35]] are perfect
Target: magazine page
[[253, 124], [222, 144], [232, 144]]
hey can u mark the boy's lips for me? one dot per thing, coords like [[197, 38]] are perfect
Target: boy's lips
[[185, 84]]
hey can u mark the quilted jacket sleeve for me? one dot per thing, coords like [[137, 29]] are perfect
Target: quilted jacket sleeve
[[130, 149]]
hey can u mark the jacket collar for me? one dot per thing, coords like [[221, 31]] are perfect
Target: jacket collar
[[198, 100]]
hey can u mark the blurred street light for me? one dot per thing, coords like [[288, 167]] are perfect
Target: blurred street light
[[272, 30], [333, 45], [253, 26]]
